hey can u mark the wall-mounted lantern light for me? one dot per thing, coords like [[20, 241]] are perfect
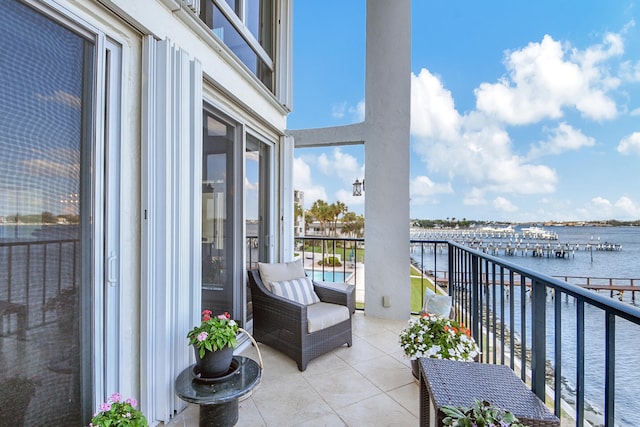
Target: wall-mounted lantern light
[[358, 187]]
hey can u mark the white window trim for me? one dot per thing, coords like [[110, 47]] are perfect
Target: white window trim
[[112, 287]]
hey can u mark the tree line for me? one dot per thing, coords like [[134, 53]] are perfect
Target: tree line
[[329, 215]]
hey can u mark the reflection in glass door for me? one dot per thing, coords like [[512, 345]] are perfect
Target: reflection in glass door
[[217, 215], [256, 206], [256, 196], [45, 220]]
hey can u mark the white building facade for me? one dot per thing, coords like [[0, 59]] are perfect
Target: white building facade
[[142, 142]]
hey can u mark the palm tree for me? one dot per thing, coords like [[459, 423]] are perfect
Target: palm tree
[[337, 209]]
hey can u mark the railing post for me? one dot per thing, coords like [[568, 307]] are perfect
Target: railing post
[[538, 339], [450, 267], [475, 298], [610, 369]]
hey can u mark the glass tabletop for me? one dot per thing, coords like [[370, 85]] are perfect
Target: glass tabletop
[[190, 389]]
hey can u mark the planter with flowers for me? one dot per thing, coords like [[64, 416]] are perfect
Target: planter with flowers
[[213, 341], [437, 337], [480, 414], [118, 412]]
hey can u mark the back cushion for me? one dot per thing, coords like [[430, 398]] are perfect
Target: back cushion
[[298, 290], [277, 272], [438, 304]]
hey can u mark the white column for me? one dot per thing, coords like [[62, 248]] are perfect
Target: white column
[[387, 120]]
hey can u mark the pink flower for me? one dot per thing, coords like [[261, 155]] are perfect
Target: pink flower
[[115, 397], [105, 407], [202, 336], [131, 401]]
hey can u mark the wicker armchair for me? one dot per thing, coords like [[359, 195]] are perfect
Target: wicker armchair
[[283, 325]]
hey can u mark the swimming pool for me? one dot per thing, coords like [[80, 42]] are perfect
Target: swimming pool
[[329, 275]]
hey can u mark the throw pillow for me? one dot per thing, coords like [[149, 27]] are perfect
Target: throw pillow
[[277, 272], [298, 290]]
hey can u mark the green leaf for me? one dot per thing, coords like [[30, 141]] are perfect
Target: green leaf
[[453, 411]]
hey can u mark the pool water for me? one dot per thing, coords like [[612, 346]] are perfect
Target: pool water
[[329, 276]]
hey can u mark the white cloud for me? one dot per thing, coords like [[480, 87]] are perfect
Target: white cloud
[[475, 150], [635, 112], [341, 164], [433, 113], [541, 82], [347, 197], [475, 197], [338, 110], [630, 71], [630, 144], [302, 181], [627, 208], [358, 112], [501, 204], [562, 138], [601, 208], [250, 186], [422, 189]]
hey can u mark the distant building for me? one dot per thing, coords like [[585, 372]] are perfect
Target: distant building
[[299, 221]]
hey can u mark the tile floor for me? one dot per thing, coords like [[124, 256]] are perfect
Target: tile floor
[[369, 384]]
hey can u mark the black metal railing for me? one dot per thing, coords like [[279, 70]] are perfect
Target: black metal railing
[[35, 276], [522, 317], [324, 257], [542, 327]]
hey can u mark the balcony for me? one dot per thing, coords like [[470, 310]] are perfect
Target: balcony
[[555, 335], [367, 384]]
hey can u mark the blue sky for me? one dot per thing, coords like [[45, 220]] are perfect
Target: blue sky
[[521, 111]]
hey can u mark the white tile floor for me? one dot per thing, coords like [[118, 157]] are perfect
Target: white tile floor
[[369, 384]]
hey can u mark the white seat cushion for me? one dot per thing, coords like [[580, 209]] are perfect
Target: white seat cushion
[[298, 290], [324, 314], [277, 272]]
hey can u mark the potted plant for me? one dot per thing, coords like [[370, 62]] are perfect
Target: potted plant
[[480, 414], [213, 341], [437, 337], [119, 413]]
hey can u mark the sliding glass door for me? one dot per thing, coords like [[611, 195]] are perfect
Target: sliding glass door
[[46, 181], [218, 219], [257, 218]]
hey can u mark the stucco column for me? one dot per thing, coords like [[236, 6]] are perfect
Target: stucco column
[[387, 122]]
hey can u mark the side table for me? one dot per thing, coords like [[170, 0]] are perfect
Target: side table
[[218, 401], [454, 383]]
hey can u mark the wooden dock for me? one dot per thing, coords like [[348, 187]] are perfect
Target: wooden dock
[[616, 286], [525, 246]]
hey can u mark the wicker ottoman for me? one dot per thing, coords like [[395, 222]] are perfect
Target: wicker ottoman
[[449, 382]]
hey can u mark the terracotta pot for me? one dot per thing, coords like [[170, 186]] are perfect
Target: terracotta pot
[[214, 363]]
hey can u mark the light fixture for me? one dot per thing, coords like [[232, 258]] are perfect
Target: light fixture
[[358, 187]]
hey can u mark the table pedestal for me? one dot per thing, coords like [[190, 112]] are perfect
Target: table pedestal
[[218, 401], [220, 415]]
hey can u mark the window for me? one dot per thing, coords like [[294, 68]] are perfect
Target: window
[[247, 28]]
